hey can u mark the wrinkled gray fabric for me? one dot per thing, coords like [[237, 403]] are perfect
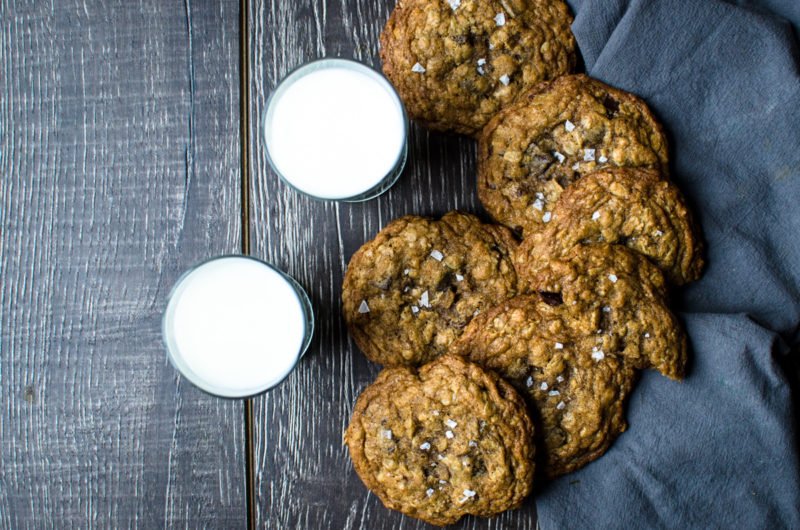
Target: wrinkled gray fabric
[[718, 450]]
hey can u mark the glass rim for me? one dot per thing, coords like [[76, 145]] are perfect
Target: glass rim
[[183, 368], [399, 164]]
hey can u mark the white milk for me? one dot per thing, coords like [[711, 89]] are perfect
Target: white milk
[[336, 129], [234, 326]]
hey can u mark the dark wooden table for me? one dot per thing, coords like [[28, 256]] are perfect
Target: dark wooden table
[[120, 162]]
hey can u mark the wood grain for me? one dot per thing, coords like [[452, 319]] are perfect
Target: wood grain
[[304, 475], [119, 163]]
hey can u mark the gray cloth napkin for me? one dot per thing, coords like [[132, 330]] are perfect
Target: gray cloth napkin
[[718, 450]]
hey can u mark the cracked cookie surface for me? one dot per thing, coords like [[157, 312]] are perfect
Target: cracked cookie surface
[[575, 390], [625, 293], [447, 440], [455, 63], [627, 206], [553, 135], [408, 293]]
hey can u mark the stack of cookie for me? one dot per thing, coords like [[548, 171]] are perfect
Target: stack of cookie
[[436, 436], [505, 356]]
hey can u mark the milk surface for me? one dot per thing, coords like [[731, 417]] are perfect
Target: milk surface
[[335, 131], [235, 326]]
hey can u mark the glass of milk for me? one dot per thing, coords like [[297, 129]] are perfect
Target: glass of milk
[[336, 129], [235, 326]]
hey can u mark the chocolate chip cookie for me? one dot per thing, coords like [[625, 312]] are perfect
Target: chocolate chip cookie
[[553, 135], [408, 293], [631, 207], [448, 440], [626, 296], [455, 63], [575, 390]]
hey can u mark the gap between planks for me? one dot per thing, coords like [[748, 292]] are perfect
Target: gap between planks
[[244, 143]]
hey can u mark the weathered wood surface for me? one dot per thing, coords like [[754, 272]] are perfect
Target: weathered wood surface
[[119, 158], [304, 475]]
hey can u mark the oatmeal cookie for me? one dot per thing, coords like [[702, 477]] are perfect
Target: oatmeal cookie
[[445, 441], [553, 135], [455, 63], [624, 291], [409, 292], [576, 392], [631, 207]]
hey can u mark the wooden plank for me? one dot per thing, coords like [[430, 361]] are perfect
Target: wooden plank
[[120, 165], [305, 478]]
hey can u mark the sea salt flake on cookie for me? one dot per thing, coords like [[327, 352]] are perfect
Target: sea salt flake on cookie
[[468, 494], [424, 300], [481, 63]]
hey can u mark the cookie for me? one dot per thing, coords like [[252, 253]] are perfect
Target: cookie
[[576, 395], [552, 136], [455, 63], [408, 293], [625, 294], [448, 440], [631, 207]]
